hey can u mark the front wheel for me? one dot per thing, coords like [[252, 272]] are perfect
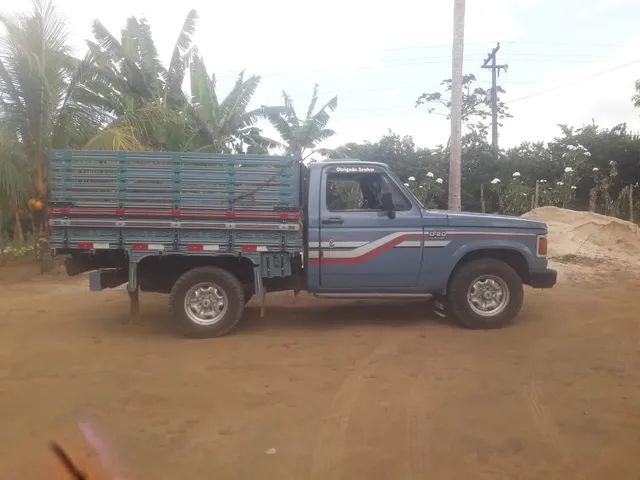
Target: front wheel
[[485, 293], [207, 302]]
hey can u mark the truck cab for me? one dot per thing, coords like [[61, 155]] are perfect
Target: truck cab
[[368, 233]]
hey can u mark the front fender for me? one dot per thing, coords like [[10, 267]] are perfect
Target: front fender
[[475, 245], [470, 246]]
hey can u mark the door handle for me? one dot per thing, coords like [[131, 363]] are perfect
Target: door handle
[[332, 220]]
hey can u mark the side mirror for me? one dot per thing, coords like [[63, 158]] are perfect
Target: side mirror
[[387, 205]]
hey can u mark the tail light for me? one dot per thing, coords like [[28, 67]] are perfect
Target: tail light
[[542, 246]]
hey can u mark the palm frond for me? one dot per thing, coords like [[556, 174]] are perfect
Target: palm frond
[[290, 112], [108, 43], [321, 118], [275, 117], [116, 138], [201, 91], [235, 104], [314, 100], [152, 69], [180, 57]]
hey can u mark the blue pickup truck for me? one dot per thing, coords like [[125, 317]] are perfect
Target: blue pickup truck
[[213, 230]]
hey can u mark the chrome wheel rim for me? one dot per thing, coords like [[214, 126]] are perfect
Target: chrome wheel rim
[[488, 295], [205, 303]]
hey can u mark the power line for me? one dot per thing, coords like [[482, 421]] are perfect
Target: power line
[[574, 82], [511, 42]]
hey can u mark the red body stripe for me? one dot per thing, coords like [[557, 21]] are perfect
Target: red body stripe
[[195, 248], [367, 256], [140, 246], [249, 248]]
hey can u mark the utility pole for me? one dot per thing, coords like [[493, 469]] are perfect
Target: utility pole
[[455, 202], [495, 71]]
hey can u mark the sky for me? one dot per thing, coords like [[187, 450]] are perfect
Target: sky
[[570, 61]]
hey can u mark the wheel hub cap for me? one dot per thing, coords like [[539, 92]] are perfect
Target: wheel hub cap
[[488, 295], [205, 303]]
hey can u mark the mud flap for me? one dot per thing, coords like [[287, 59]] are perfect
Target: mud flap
[[440, 306]]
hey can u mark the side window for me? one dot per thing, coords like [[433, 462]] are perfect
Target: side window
[[361, 192], [399, 201]]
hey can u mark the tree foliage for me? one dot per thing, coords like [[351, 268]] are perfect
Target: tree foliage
[[226, 125], [39, 80], [301, 136], [476, 103]]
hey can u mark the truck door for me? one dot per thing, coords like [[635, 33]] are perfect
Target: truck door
[[362, 246]]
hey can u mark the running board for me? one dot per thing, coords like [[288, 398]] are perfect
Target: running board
[[391, 296]]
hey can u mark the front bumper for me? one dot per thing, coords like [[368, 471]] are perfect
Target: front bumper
[[544, 279]]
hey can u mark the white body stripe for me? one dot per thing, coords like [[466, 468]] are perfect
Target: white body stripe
[[436, 243], [366, 248], [211, 248], [342, 244], [100, 246], [314, 254], [410, 243], [261, 248], [155, 246]]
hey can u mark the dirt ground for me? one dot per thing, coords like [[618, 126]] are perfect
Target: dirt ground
[[320, 389]]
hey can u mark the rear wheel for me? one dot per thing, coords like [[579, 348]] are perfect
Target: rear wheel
[[485, 293], [207, 302]]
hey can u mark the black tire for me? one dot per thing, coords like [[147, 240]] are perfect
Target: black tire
[[483, 269], [225, 285]]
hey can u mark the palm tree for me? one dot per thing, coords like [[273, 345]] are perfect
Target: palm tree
[[130, 83], [302, 136], [38, 81], [13, 182], [226, 126]]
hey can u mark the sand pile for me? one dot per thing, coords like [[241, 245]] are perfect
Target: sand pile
[[584, 236]]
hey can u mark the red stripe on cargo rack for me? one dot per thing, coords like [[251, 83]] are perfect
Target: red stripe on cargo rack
[[195, 247], [249, 248], [140, 246], [85, 245]]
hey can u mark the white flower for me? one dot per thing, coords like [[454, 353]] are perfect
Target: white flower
[[596, 169], [430, 174], [572, 147], [560, 183], [573, 187], [495, 180], [524, 194], [421, 186], [516, 174], [568, 169], [406, 184], [588, 154], [412, 178], [439, 180], [542, 180], [611, 162], [563, 155]]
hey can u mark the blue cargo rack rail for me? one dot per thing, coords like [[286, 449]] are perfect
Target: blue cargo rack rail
[[188, 203]]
